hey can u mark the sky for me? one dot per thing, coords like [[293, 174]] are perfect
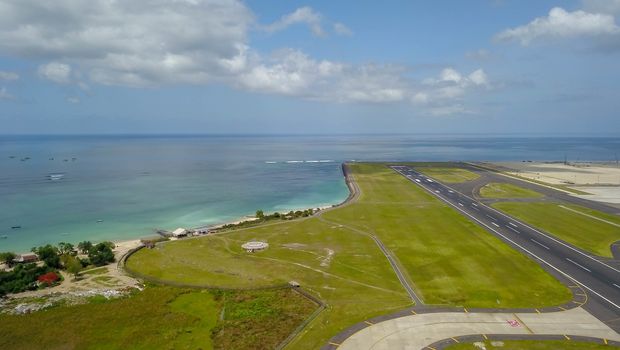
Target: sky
[[319, 67]]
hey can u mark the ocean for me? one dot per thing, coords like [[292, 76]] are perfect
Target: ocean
[[74, 188]]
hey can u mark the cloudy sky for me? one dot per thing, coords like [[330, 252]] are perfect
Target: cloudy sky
[[269, 66]]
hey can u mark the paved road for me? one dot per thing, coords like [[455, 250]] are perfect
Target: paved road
[[600, 279], [422, 330], [490, 176]]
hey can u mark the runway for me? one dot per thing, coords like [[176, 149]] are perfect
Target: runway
[[600, 279]]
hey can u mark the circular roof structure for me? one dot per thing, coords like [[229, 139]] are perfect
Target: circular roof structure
[[255, 245]]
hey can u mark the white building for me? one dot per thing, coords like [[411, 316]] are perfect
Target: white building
[[180, 232]]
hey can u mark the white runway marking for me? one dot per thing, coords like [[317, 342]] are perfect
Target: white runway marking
[[514, 229], [615, 285], [534, 255], [510, 223], [540, 244], [490, 217], [461, 204], [494, 224], [590, 216], [583, 267]]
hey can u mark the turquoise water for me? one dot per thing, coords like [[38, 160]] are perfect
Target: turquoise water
[[121, 187]]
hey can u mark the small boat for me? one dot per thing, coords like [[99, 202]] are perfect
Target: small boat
[[54, 177], [4, 237], [12, 157], [51, 158], [16, 227], [99, 220]]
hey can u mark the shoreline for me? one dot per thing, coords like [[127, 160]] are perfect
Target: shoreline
[[122, 242], [134, 241], [353, 192]]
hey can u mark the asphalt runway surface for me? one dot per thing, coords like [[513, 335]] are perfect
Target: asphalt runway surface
[[600, 278]]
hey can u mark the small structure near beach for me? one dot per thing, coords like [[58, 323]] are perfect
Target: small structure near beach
[[180, 232], [253, 246], [27, 258]]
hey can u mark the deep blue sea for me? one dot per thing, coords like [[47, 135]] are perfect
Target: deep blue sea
[[73, 188]]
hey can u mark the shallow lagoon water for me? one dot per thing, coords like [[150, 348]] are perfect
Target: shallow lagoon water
[[72, 188]]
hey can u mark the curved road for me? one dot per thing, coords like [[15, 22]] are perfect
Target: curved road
[[598, 317]]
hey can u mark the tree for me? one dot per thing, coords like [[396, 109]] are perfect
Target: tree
[[73, 265], [84, 247], [65, 248], [49, 254], [260, 214], [101, 254], [8, 258]]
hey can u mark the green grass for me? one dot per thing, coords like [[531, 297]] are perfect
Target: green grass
[[585, 232], [356, 273], [204, 308], [445, 173], [143, 321], [253, 320], [505, 190], [534, 345], [162, 318], [478, 271], [346, 269]]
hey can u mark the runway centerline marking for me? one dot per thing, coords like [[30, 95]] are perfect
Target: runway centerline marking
[[510, 223], [578, 264], [615, 285], [514, 229], [542, 245], [494, 224], [528, 251]]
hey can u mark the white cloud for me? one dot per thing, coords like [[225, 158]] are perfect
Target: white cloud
[[5, 95], [9, 76], [444, 95], [478, 77], [450, 74], [152, 42], [342, 29], [136, 43], [560, 24], [291, 72], [305, 15], [56, 72]]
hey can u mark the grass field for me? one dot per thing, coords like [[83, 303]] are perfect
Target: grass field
[[445, 173], [504, 190], [346, 269], [162, 318], [342, 268], [479, 271], [594, 233], [532, 345]]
